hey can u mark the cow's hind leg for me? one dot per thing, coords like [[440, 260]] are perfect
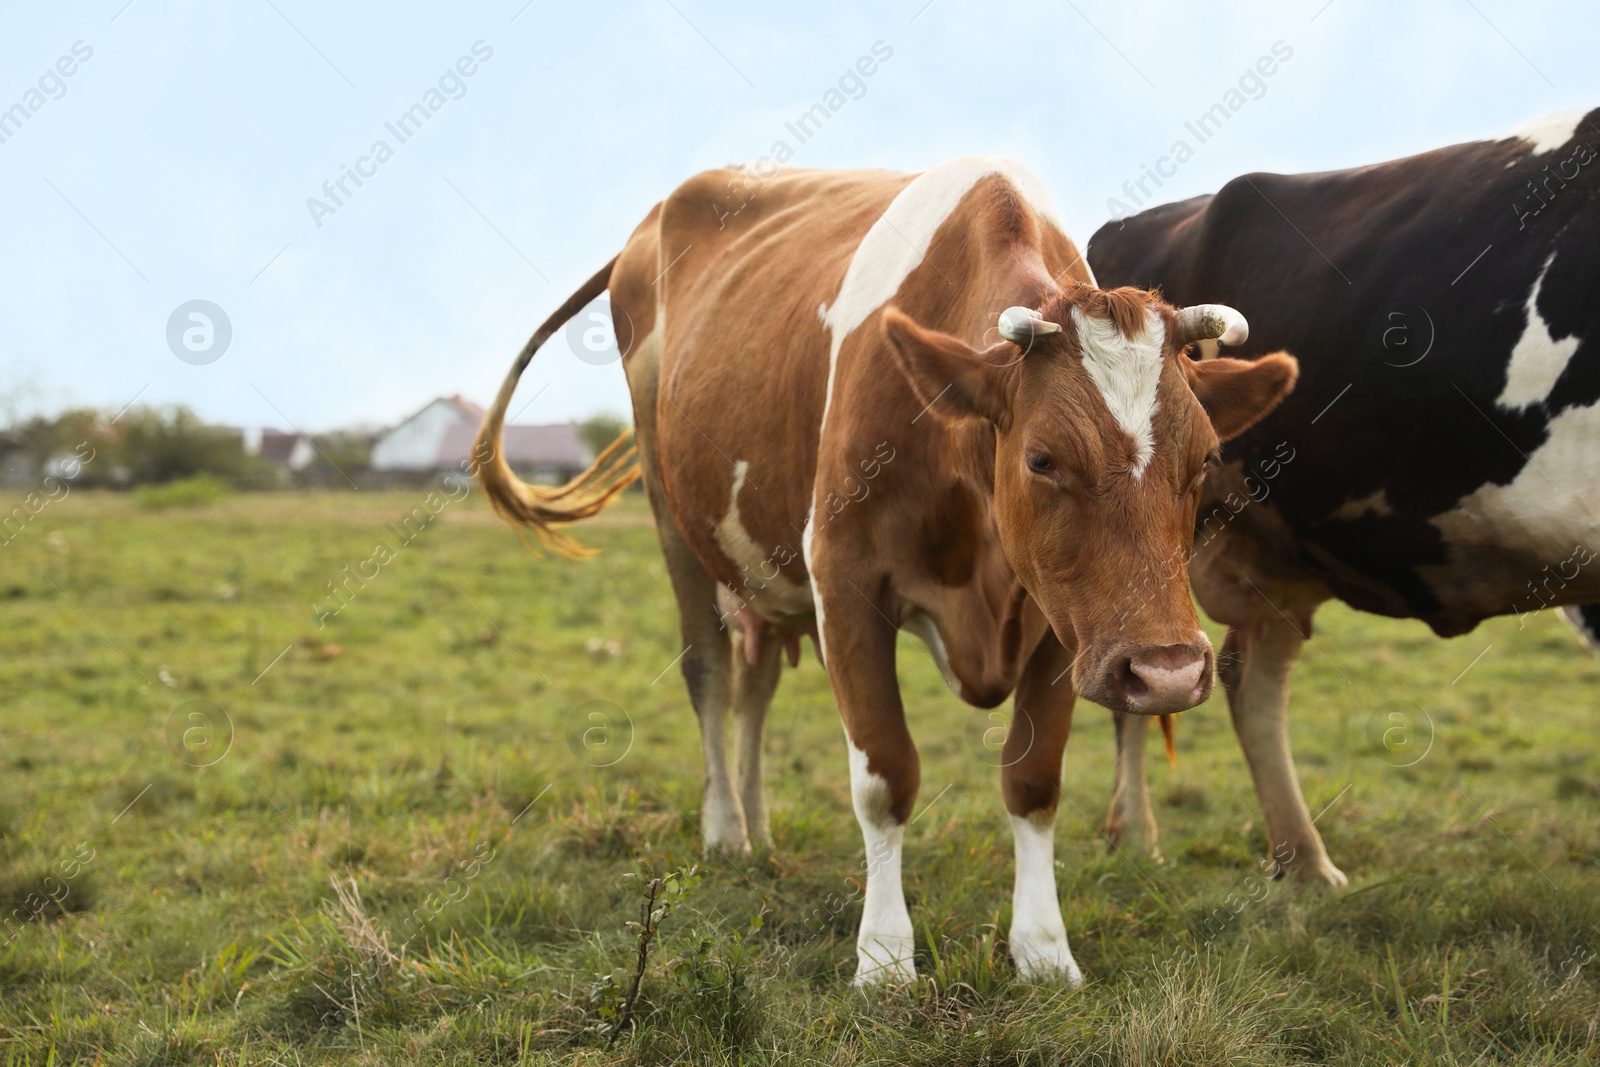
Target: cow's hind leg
[[1129, 816], [753, 686], [1259, 659], [707, 665], [1030, 779], [1585, 618], [706, 660]]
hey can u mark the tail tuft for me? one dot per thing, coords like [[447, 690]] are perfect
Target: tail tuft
[[542, 508], [1168, 727]]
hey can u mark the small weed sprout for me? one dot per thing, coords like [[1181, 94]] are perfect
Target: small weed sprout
[[658, 896]]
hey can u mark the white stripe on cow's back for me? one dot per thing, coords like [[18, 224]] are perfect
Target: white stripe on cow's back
[[1126, 370], [1537, 359], [1548, 132]]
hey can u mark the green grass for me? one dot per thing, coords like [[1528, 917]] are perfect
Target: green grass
[[189, 766]]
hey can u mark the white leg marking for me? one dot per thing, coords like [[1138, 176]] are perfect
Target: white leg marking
[[1038, 935], [720, 819], [883, 947]]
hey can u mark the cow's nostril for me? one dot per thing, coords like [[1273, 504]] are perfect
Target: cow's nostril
[[1133, 687]]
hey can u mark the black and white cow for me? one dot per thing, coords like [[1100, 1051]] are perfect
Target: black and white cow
[[1440, 459]]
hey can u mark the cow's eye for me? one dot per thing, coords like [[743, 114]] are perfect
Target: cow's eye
[[1040, 463], [1213, 462]]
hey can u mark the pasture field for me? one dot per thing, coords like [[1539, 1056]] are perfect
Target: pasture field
[[411, 837]]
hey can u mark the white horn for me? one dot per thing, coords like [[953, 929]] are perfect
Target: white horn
[[1020, 325], [1203, 322]]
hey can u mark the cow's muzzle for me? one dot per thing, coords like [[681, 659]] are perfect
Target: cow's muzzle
[[1148, 679]]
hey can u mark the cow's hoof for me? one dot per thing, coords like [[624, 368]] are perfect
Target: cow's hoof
[[723, 844], [884, 958], [1318, 872], [722, 829], [1044, 957]]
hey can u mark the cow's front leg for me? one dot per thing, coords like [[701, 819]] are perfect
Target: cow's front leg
[[1259, 658], [858, 647], [1129, 818], [1030, 779]]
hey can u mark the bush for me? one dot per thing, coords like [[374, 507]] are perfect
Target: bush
[[188, 492], [598, 431], [156, 445], [140, 446]]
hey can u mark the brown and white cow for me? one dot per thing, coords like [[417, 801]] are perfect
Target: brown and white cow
[[841, 434]]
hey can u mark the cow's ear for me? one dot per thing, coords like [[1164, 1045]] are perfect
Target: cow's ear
[[945, 372], [1237, 393]]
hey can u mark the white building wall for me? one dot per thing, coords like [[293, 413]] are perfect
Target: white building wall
[[414, 444]]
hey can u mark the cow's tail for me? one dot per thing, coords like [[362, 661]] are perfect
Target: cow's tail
[[543, 508], [1168, 722]]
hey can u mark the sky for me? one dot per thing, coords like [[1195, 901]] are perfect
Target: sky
[[184, 158]]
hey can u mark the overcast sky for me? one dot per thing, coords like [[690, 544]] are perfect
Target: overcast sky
[[175, 162]]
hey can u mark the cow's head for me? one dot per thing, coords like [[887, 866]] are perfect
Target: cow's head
[[1104, 431]]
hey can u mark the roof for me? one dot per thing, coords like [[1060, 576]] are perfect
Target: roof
[[463, 407], [468, 409], [277, 445], [556, 446]]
